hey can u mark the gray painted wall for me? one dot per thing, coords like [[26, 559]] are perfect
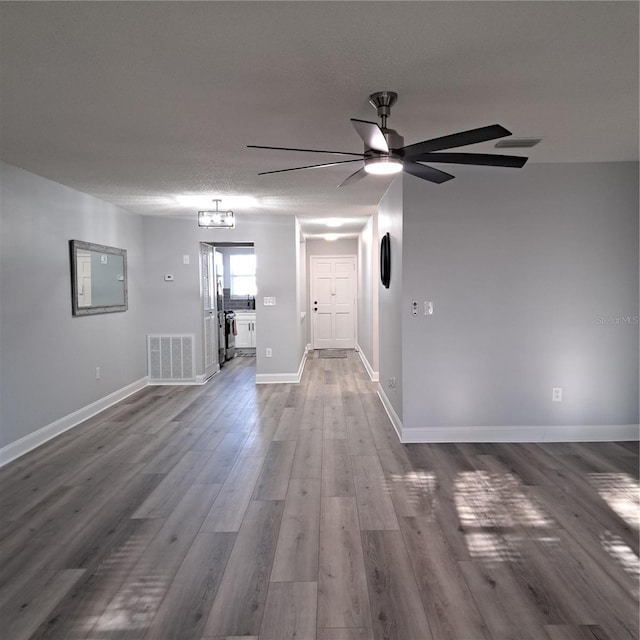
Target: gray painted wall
[[174, 307], [47, 368], [523, 269], [368, 274], [390, 300], [302, 288]]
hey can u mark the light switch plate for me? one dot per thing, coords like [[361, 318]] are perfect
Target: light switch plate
[[185, 259], [269, 302]]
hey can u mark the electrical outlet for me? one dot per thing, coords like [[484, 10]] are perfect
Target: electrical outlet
[[98, 373], [428, 308], [392, 383], [268, 352], [556, 394]]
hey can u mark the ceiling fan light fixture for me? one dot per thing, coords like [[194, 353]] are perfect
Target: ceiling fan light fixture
[[385, 152], [382, 165]]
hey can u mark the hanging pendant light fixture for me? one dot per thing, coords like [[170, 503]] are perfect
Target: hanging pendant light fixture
[[216, 219]]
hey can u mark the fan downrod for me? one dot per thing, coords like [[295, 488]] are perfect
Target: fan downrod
[[382, 101]]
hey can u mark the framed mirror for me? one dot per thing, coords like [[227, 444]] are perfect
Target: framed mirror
[[98, 278]]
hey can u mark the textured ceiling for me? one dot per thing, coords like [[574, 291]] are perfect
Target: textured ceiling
[[150, 105]]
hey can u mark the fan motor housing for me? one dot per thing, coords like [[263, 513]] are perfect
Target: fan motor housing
[[393, 138]]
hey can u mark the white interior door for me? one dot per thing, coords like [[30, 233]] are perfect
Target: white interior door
[[333, 293], [210, 335]]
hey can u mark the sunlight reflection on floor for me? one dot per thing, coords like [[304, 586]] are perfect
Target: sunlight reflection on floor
[[115, 568], [621, 492], [419, 488], [134, 606], [492, 507], [493, 499], [618, 549]]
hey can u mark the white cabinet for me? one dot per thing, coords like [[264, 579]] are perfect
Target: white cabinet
[[246, 330]]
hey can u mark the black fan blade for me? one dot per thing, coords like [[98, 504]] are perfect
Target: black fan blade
[[426, 173], [483, 159], [371, 135], [354, 177], [310, 166], [335, 153], [461, 139]]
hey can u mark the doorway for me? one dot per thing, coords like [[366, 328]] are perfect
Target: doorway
[[333, 293], [227, 283]]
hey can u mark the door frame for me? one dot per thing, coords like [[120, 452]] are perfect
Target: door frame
[[324, 256], [214, 367]]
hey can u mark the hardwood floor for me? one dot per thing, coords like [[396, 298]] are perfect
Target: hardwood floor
[[282, 512]]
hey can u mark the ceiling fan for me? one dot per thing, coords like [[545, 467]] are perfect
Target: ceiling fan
[[385, 153]]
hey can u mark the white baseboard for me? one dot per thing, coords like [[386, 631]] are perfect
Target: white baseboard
[[393, 416], [199, 380], [555, 433], [549, 433], [203, 379], [283, 378], [31, 441], [373, 375]]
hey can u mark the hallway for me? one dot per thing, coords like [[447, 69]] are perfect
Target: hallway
[[276, 512]]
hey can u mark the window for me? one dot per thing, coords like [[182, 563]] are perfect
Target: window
[[242, 267]]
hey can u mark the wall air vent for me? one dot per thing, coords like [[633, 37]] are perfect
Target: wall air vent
[[517, 143], [170, 358]]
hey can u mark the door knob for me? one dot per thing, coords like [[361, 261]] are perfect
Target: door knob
[[315, 302]]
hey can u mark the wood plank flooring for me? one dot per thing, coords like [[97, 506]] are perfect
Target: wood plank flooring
[[291, 512]]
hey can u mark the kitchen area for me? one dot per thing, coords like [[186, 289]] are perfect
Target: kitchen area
[[235, 286]]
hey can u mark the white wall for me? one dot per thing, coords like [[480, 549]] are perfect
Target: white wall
[[368, 274], [174, 307], [520, 266], [47, 368]]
